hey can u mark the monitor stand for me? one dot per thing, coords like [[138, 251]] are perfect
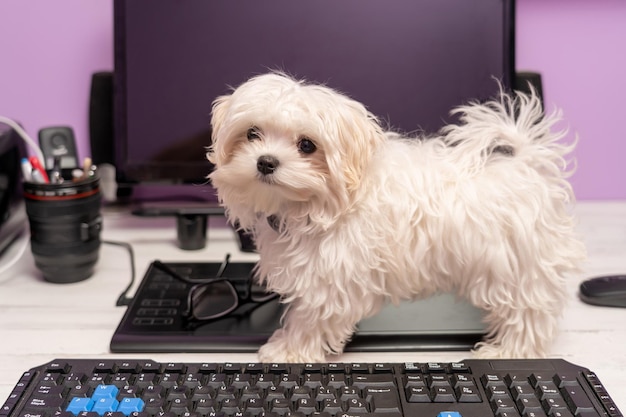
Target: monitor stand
[[192, 219]]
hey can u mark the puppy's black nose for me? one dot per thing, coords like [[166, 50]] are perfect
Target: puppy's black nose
[[266, 164]]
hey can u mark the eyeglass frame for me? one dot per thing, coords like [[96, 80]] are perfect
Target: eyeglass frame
[[196, 285]]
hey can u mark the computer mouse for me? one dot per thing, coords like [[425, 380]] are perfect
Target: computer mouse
[[604, 291]]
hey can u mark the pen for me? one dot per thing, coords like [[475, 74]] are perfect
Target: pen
[[37, 177], [27, 170], [86, 166], [34, 161], [55, 174]]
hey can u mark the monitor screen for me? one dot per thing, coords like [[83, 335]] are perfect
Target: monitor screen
[[409, 61]]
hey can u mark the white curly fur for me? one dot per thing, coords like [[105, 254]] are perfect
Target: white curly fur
[[370, 217]]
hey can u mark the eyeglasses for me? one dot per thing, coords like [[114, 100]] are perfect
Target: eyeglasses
[[216, 297]]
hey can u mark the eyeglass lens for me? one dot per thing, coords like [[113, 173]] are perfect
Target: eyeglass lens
[[213, 300]]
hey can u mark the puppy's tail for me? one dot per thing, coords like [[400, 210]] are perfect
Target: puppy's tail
[[513, 126]]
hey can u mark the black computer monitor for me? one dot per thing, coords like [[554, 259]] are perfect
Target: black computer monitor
[[12, 212], [408, 61]]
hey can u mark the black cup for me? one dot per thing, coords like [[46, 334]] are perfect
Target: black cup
[[65, 225]]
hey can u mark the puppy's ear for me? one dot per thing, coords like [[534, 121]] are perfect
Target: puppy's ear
[[359, 135], [216, 152]]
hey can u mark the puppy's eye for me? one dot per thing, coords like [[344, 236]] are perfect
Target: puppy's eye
[[306, 145], [253, 133]]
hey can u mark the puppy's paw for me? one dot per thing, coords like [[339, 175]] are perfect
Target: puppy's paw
[[488, 351], [279, 350]]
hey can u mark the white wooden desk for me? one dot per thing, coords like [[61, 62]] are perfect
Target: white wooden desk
[[40, 321]]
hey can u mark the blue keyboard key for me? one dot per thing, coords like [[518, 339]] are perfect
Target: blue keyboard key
[[105, 391], [79, 404], [449, 414], [130, 405], [104, 405]]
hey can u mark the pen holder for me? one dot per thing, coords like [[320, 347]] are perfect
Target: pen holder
[[65, 225]]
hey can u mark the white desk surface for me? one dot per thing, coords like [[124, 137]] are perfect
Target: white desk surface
[[40, 321]]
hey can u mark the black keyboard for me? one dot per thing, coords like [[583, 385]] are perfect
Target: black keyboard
[[472, 388]]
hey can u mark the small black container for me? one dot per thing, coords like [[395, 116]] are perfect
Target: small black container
[[65, 225]]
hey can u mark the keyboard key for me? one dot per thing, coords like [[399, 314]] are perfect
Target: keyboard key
[[79, 391], [251, 392], [280, 405], [418, 395], [154, 405], [576, 399], [77, 405], [264, 381], [304, 392], [131, 405], [168, 380], [489, 380], [414, 380], [149, 366], [442, 394], [545, 390], [277, 368], [335, 368], [552, 405], [383, 400], [323, 393], [438, 379], [105, 391], [254, 368], [192, 380], [128, 367], [179, 406], [52, 378], [253, 406], [432, 367], [231, 368], [332, 406], [522, 390], [356, 405], [468, 394], [381, 368], [179, 391], [105, 404], [459, 367], [359, 368], [50, 391], [513, 379], [61, 367], [528, 404], [462, 380], [497, 392], [312, 380], [290, 380], [97, 379], [313, 367], [145, 379], [106, 366], [306, 405], [205, 405], [128, 391], [540, 377], [43, 403]]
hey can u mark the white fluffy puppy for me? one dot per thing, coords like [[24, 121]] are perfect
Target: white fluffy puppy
[[347, 217]]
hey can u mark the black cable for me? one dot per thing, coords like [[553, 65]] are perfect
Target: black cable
[[123, 300]]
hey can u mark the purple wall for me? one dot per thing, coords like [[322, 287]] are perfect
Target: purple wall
[[579, 47], [49, 49]]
